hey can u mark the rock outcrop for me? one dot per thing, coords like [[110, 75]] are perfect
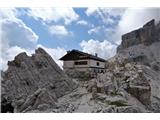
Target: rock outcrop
[[146, 35], [29, 78], [135, 67]]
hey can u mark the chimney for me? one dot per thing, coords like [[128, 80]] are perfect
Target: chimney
[[96, 54], [68, 51]]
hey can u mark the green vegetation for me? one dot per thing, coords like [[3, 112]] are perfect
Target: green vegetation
[[118, 103]]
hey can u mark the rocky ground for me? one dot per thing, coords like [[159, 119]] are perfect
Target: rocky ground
[[131, 83], [127, 89]]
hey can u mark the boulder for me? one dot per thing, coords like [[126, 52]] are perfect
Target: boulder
[[140, 88]]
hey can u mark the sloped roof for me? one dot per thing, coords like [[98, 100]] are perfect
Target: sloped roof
[[79, 55]]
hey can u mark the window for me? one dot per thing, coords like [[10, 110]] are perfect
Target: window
[[97, 63], [81, 63]]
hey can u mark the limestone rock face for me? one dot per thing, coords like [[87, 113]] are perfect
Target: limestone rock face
[[35, 101], [27, 74], [146, 35], [140, 88]]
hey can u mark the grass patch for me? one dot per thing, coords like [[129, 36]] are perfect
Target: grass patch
[[118, 103]]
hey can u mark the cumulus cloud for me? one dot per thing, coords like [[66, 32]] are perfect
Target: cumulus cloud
[[106, 11], [104, 49], [8, 13], [107, 15], [56, 53], [59, 30], [16, 33], [82, 22], [94, 30], [53, 14], [16, 37], [133, 19], [91, 10], [13, 30]]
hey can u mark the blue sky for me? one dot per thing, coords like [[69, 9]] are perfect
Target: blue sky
[[79, 31], [57, 30]]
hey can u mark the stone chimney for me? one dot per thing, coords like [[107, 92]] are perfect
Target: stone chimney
[[68, 51], [96, 54]]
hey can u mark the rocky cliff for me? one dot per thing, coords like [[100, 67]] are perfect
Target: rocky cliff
[[34, 80], [135, 68], [146, 35]]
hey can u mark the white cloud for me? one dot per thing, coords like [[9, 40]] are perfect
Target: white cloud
[[53, 14], [16, 33], [109, 31], [114, 11], [91, 10], [56, 53], [106, 15], [59, 30], [94, 30], [16, 37], [104, 49], [105, 11], [133, 19], [13, 30], [8, 13], [82, 22]]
